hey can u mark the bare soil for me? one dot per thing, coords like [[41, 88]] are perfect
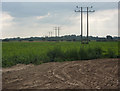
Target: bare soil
[[90, 74]]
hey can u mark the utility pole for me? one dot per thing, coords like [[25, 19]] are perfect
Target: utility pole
[[58, 31], [55, 28], [80, 9], [81, 24], [87, 26], [51, 34]]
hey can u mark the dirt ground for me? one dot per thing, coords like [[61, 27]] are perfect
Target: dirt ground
[[90, 74]]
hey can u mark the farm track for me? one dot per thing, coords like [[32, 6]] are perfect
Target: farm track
[[91, 74]]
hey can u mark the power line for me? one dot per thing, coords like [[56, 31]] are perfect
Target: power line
[[80, 9]]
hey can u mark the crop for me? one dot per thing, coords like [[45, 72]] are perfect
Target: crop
[[40, 52]]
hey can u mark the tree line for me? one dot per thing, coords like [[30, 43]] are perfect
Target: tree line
[[63, 38]]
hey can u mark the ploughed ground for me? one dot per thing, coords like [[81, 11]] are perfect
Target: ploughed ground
[[87, 74]]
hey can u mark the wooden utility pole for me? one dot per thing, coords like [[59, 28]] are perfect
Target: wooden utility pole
[[87, 27], [49, 34], [57, 31], [81, 24], [81, 12], [55, 28]]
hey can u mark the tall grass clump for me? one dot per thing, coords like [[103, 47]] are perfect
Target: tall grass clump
[[55, 54], [21, 59], [90, 53], [82, 53], [110, 53], [71, 54]]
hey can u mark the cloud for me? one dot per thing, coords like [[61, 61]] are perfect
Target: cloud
[[42, 17], [101, 23], [7, 23], [23, 27], [104, 22], [7, 20]]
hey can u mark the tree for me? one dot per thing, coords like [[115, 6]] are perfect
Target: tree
[[109, 37]]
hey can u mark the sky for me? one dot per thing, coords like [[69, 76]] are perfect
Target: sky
[[37, 19]]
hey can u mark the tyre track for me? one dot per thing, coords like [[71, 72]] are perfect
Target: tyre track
[[67, 79]]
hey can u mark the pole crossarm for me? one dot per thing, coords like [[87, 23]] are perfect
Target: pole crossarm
[[84, 7], [85, 11]]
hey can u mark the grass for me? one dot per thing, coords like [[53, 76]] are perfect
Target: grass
[[41, 52]]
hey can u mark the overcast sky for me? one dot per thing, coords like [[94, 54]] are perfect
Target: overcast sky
[[38, 19]]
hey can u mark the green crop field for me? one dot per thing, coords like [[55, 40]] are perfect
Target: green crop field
[[40, 52]]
